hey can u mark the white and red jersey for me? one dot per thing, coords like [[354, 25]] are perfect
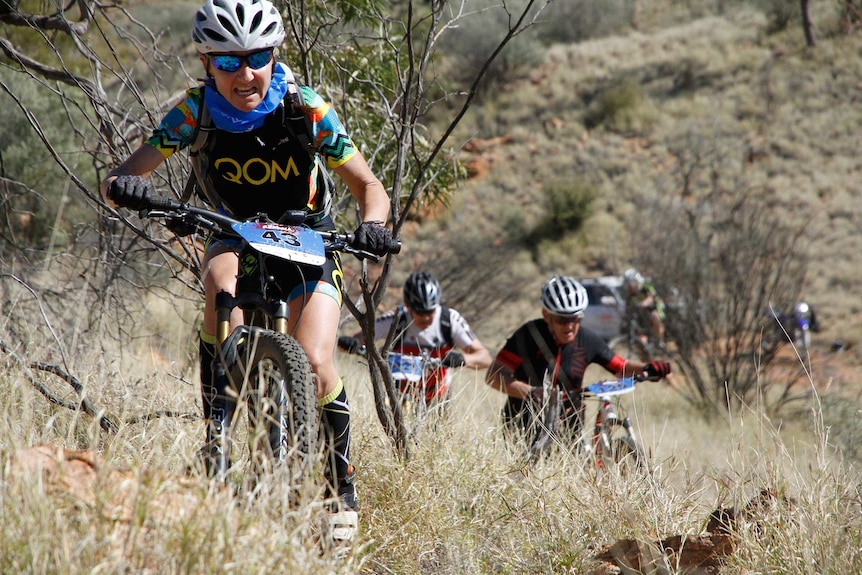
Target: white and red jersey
[[410, 340]]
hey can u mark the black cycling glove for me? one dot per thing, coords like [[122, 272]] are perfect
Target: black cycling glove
[[454, 359], [348, 343], [657, 369], [372, 237], [130, 191]]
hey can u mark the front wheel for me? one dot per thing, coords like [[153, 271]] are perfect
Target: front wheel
[[274, 376], [620, 450]]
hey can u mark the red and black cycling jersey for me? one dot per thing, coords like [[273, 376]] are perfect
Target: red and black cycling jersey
[[526, 351]]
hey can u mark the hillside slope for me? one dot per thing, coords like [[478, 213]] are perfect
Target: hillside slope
[[778, 116]]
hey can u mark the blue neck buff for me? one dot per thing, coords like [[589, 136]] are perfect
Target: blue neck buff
[[227, 118]]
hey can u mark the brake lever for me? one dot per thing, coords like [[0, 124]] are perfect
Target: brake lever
[[362, 254], [196, 220], [158, 213]]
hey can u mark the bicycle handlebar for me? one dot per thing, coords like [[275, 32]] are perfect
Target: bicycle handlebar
[[169, 208]]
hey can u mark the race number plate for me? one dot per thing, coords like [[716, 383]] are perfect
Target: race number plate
[[612, 387], [405, 367], [292, 243]]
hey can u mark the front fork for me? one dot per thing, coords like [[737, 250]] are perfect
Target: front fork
[[230, 346], [606, 418]]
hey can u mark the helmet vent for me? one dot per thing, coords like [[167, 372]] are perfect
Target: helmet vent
[[212, 34], [228, 25], [255, 22]]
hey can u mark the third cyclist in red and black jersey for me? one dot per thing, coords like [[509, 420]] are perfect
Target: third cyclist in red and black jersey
[[558, 342]]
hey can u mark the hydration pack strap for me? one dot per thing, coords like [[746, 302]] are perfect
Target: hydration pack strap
[[551, 358]]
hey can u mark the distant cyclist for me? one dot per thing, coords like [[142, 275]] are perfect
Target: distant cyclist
[[557, 342], [644, 306], [796, 325], [424, 326], [804, 312]]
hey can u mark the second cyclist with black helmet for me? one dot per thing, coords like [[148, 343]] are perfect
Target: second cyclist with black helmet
[[425, 326], [559, 342]]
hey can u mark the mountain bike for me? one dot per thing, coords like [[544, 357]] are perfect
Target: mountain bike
[[419, 398], [614, 438], [613, 443], [265, 366]]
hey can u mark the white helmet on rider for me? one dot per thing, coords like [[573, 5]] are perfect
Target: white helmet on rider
[[237, 26], [562, 295], [632, 277]]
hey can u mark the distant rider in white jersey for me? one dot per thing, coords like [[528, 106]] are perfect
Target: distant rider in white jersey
[[426, 327]]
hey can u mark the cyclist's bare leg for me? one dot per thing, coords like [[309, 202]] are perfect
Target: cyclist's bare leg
[[219, 273], [315, 327], [219, 270]]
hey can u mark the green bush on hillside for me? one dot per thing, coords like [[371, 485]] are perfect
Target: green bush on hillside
[[622, 107], [476, 37], [568, 204], [782, 14], [35, 185], [578, 20]]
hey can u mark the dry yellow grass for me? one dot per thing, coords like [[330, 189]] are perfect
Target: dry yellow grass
[[464, 502]]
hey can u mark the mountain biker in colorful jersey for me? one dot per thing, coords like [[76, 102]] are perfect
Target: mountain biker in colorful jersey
[[644, 305], [556, 342], [424, 325], [257, 166]]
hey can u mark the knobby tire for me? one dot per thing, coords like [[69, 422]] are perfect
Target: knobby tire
[[282, 407]]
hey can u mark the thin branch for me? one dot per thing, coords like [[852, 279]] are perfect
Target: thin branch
[[85, 404]]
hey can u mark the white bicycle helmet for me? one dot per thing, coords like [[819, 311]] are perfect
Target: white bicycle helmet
[[632, 277], [422, 292], [237, 26], [563, 295]]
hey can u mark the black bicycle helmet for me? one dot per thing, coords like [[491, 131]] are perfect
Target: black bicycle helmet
[[563, 295], [422, 292]]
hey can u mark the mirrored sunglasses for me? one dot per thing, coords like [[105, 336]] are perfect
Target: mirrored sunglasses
[[566, 319], [232, 63]]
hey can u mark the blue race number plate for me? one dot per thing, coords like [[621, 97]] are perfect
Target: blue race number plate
[[292, 243], [612, 387], [405, 367]]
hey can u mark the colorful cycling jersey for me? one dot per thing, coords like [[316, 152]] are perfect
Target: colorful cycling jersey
[[431, 340], [263, 170]]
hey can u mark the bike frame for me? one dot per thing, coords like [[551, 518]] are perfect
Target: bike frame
[[613, 436], [608, 419]]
